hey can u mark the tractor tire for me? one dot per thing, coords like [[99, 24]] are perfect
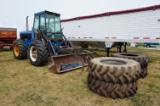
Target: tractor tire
[[142, 59], [144, 73], [114, 70], [37, 53], [19, 49], [111, 90]]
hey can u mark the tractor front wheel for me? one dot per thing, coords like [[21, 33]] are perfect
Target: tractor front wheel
[[37, 53]]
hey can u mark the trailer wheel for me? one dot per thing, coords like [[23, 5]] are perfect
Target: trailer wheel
[[19, 49], [142, 59], [37, 53], [114, 70], [117, 90]]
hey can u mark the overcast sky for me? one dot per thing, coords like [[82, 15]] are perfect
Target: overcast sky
[[14, 12]]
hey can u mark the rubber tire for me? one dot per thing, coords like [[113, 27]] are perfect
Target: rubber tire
[[111, 73], [22, 49], [143, 73], [42, 54], [142, 59], [112, 90]]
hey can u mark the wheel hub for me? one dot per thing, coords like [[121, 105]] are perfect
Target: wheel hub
[[33, 53], [16, 50]]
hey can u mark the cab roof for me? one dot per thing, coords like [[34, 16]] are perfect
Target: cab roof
[[45, 11]]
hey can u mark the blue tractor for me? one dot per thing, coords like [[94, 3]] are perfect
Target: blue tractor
[[46, 42]]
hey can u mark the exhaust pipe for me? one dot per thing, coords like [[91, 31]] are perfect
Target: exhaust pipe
[[27, 26]]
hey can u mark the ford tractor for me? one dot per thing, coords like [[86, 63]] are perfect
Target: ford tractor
[[47, 43]]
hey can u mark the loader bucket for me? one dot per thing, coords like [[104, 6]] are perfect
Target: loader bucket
[[68, 62]]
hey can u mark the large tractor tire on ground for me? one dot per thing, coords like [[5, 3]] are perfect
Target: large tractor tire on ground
[[117, 90], [19, 49], [37, 53], [143, 72], [114, 70], [142, 59]]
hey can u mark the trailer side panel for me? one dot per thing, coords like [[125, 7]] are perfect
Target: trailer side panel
[[140, 26]]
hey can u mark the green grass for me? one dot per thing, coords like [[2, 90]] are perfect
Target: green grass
[[22, 84]]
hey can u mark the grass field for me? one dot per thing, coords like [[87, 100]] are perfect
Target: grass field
[[22, 84]]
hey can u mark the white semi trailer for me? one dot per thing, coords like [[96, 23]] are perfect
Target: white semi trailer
[[101, 30]]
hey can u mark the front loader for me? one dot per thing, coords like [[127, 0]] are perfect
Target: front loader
[[46, 42]]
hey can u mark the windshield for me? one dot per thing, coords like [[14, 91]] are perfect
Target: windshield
[[53, 23]]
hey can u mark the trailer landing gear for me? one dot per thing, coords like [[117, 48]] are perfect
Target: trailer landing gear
[[119, 47], [107, 50], [125, 48]]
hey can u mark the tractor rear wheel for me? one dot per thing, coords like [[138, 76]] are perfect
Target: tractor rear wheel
[[117, 90], [19, 49], [37, 53], [115, 70], [142, 59]]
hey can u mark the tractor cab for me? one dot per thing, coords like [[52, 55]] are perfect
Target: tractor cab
[[49, 24]]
